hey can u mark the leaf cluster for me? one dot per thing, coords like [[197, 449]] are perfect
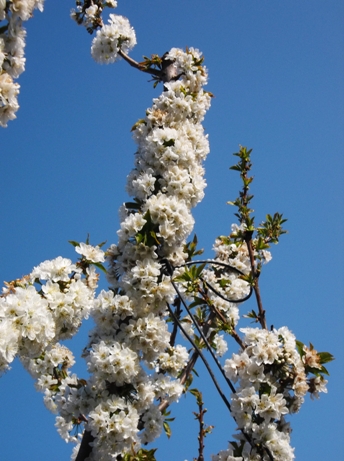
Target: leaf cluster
[[141, 455], [191, 249], [270, 230], [323, 357]]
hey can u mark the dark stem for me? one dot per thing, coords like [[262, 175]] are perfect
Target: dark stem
[[219, 315], [85, 449], [261, 314], [204, 338], [177, 313], [199, 416], [222, 395], [164, 405]]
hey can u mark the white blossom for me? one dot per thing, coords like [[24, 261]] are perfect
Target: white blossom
[[117, 34], [91, 253]]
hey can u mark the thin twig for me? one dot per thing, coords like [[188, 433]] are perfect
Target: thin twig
[[206, 342], [202, 430], [222, 395], [220, 316], [261, 315]]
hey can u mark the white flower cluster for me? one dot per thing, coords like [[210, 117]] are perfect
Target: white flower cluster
[[88, 13], [32, 319], [225, 279], [132, 364], [12, 44], [117, 34], [131, 335], [272, 382]]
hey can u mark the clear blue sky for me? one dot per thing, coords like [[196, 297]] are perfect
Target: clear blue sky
[[276, 69]]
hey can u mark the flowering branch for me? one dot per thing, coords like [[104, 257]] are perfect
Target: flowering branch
[[12, 60], [137, 367]]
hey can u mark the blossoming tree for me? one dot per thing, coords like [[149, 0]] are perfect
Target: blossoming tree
[[166, 309]]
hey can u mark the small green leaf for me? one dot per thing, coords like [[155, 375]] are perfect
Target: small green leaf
[[199, 269], [185, 277], [224, 283], [74, 243], [251, 315], [195, 392], [325, 357], [100, 266], [167, 429], [299, 347], [197, 302]]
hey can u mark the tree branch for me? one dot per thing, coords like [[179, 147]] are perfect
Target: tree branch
[[138, 66], [85, 448], [261, 315]]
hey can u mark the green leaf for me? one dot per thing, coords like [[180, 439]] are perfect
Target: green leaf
[[195, 372], [154, 237], [197, 302], [317, 371], [199, 269], [167, 429], [100, 266], [251, 315], [224, 283], [325, 357], [185, 277], [299, 347], [324, 370], [74, 243], [191, 248], [195, 392]]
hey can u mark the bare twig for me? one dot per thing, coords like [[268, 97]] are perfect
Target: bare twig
[[203, 430]]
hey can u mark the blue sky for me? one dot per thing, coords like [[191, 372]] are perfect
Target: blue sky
[[276, 69]]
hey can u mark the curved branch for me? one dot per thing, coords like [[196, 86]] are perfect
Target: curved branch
[[138, 66]]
